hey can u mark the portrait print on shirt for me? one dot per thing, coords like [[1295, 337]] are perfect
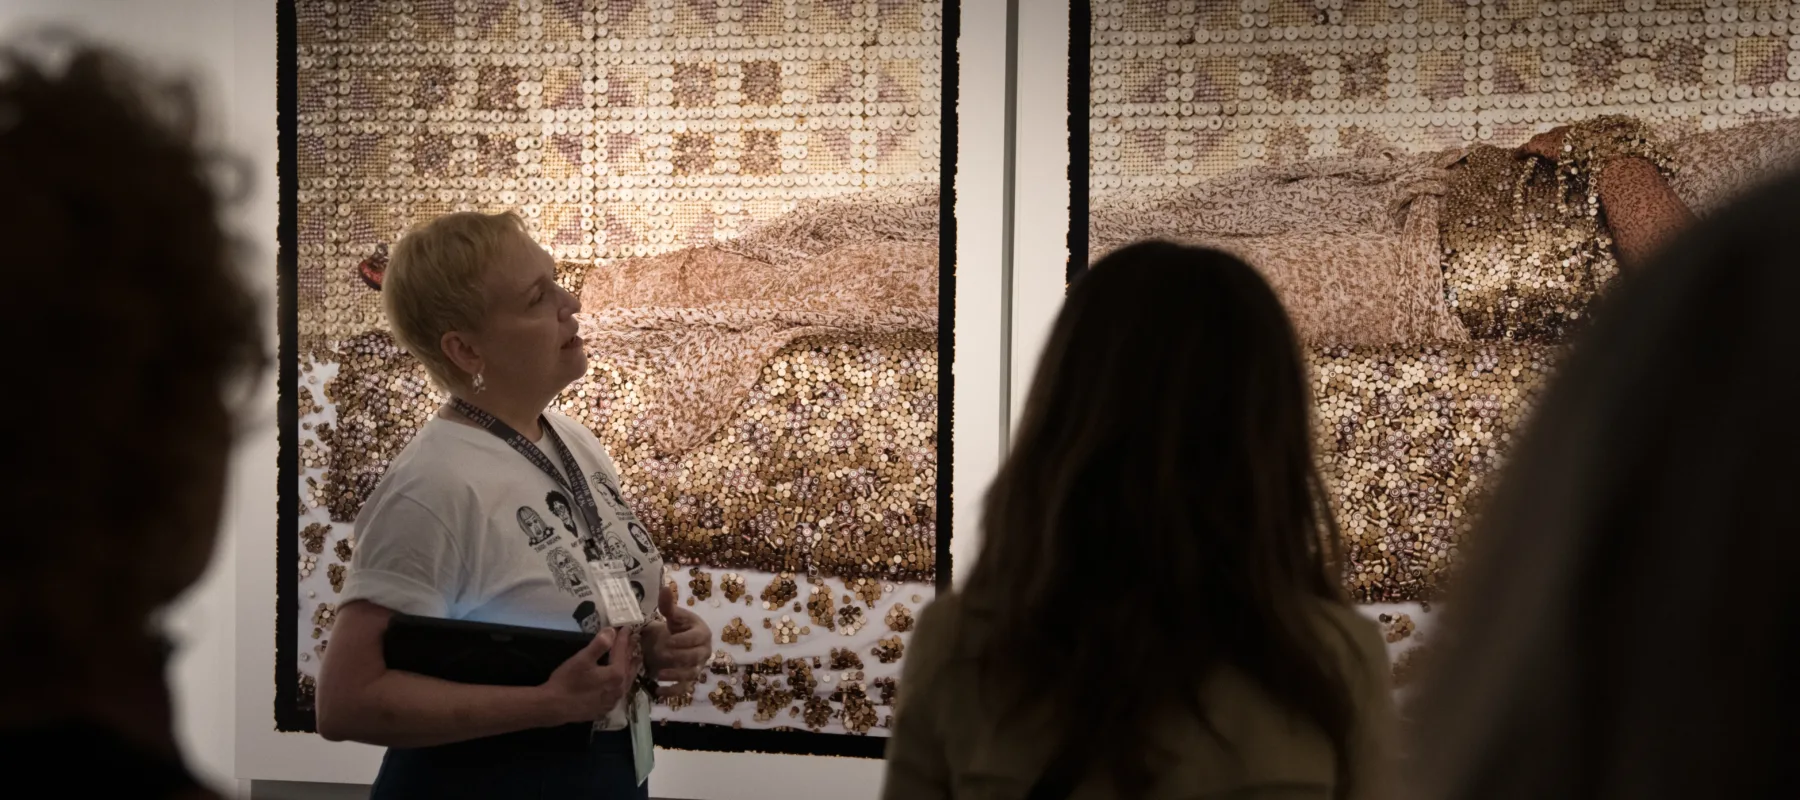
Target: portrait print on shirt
[[540, 533], [568, 573], [613, 496], [587, 615], [559, 505], [641, 537], [593, 550], [590, 549], [631, 562]]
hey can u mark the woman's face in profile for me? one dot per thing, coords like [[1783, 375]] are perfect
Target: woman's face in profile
[[529, 339]]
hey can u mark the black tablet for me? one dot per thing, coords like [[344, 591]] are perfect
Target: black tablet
[[478, 652], [494, 655]]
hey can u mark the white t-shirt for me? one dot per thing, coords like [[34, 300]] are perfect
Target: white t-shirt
[[464, 527]]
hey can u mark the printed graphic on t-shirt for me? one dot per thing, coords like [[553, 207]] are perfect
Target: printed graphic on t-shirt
[[638, 589], [567, 572], [559, 505], [587, 615], [590, 549], [593, 550], [641, 537], [612, 495], [534, 526], [631, 562]]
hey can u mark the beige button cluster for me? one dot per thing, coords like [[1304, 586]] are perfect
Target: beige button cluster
[[1184, 91], [584, 117]]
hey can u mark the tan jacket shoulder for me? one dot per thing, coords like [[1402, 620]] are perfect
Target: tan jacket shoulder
[[946, 743]]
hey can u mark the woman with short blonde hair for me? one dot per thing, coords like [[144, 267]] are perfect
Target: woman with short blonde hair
[[464, 525], [432, 284]]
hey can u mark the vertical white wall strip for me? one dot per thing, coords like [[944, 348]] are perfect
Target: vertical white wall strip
[[981, 289], [1040, 186], [1009, 169]]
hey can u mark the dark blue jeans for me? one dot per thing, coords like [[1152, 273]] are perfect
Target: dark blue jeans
[[603, 771]]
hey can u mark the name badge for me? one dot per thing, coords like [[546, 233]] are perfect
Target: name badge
[[617, 599]]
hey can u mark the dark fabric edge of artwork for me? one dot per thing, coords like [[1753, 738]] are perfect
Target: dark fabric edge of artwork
[[698, 736], [950, 74], [1081, 17], [289, 716]]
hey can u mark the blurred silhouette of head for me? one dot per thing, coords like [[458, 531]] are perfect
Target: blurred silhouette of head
[[132, 334], [1160, 513], [1626, 624]]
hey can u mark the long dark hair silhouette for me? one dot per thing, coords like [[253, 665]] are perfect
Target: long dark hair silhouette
[[1160, 515]]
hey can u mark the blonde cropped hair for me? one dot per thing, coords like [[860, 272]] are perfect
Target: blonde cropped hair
[[433, 284]]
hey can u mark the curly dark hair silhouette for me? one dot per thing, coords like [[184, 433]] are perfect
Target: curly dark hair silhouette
[[134, 337]]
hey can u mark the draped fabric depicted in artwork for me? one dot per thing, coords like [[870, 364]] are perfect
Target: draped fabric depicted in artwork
[[1362, 155], [744, 195]]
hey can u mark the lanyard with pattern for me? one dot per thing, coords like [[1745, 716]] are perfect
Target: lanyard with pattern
[[615, 591]]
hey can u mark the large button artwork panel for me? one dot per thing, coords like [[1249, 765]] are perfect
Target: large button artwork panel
[[779, 444], [1269, 123]]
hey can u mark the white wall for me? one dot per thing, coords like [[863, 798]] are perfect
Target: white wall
[[229, 51], [980, 411], [1040, 187]]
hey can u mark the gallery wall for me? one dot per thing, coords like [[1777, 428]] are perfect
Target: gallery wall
[[1040, 186]]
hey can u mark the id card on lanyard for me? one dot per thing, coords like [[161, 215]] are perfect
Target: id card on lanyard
[[617, 600]]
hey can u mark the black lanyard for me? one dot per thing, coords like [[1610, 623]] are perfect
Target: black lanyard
[[575, 483]]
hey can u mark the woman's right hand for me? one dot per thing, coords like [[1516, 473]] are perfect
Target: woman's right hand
[[583, 689]]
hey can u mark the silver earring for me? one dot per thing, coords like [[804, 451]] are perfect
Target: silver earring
[[479, 383]]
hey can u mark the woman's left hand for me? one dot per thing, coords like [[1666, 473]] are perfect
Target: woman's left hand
[[676, 649]]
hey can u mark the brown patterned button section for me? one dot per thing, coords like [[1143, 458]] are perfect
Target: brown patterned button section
[[829, 469]]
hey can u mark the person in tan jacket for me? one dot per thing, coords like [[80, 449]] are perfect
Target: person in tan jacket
[[1155, 611]]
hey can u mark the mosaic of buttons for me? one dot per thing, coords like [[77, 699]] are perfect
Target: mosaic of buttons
[[1205, 99], [641, 139]]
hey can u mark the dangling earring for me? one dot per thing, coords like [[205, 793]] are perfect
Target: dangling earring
[[479, 383]]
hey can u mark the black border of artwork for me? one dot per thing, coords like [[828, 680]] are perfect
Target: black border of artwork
[[1081, 21], [289, 717], [949, 77]]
